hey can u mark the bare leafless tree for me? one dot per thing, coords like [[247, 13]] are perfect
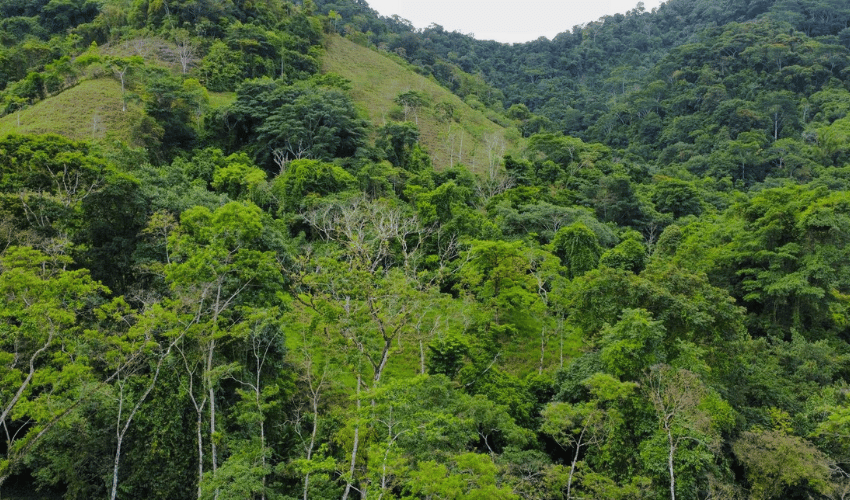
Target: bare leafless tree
[[185, 51], [291, 151], [369, 231]]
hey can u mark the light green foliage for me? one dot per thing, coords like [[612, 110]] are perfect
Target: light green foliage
[[240, 179], [633, 344], [223, 279], [690, 419], [431, 416], [305, 178], [469, 477], [59, 193], [221, 247], [568, 160], [45, 180], [836, 424], [601, 486], [586, 424], [506, 278], [578, 247], [669, 293], [221, 67], [240, 476], [833, 139], [778, 463], [523, 217], [416, 419], [369, 325], [44, 365]]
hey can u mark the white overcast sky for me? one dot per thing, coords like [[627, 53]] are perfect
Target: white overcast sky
[[505, 20]]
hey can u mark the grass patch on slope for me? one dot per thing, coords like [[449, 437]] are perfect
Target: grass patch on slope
[[221, 99], [89, 111], [471, 138]]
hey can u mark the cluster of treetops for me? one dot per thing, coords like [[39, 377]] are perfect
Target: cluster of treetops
[[275, 299]]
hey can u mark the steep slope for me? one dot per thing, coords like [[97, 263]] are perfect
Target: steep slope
[[468, 136], [88, 111]]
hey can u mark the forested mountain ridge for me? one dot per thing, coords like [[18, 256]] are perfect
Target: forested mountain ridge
[[275, 267], [572, 78]]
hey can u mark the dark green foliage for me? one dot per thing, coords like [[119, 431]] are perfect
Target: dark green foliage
[[114, 216], [578, 247], [447, 355], [60, 15], [183, 184], [316, 123], [282, 123], [544, 219], [630, 255], [170, 106], [615, 201], [677, 197], [159, 470], [400, 142], [798, 271]]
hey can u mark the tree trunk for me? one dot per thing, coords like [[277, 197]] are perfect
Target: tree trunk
[[259, 402], [421, 357], [671, 452], [200, 453], [350, 481], [115, 464], [199, 412], [26, 381], [573, 464], [211, 386], [213, 460], [542, 350]]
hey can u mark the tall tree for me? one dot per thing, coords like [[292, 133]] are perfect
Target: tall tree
[[687, 412], [217, 269], [45, 370]]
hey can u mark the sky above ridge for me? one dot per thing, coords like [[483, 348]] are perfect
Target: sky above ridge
[[509, 21]]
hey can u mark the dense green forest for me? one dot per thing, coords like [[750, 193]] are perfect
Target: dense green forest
[[221, 279]]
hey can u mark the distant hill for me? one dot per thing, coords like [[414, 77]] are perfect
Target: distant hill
[[469, 137]]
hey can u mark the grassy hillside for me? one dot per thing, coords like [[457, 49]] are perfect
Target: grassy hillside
[[91, 110], [88, 111], [469, 138]]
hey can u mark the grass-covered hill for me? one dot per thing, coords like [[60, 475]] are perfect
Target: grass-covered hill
[[90, 110], [452, 131], [276, 250]]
